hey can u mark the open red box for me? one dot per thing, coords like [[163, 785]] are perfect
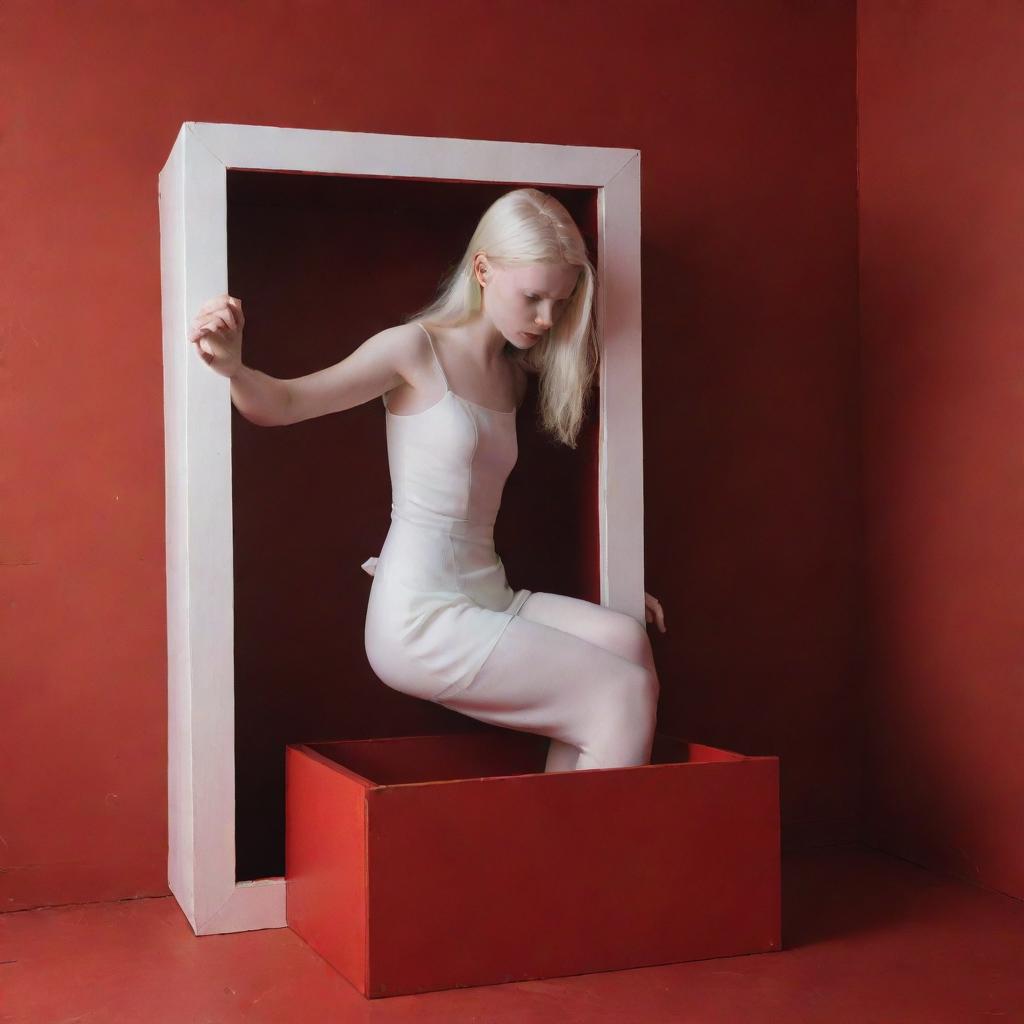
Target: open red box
[[418, 863]]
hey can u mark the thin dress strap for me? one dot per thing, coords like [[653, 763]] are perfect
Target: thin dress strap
[[433, 350]]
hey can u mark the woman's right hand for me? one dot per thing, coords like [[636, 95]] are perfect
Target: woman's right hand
[[216, 331]]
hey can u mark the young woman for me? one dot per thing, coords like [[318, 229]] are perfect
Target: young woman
[[442, 622]]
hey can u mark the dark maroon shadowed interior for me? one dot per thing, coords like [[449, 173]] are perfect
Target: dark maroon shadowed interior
[[321, 263]]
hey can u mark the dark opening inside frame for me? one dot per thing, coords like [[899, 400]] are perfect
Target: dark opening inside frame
[[322, 262]]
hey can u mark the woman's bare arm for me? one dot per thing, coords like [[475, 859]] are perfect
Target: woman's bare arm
[[260, 398], [380, 363]]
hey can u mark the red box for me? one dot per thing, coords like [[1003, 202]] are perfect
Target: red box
[[419, 863]]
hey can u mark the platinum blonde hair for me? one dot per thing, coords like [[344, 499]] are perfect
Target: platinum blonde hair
[[529, 226]]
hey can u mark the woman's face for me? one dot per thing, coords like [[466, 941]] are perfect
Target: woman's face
[[525, 301]]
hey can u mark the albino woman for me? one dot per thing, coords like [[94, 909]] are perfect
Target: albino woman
[[442, 622]]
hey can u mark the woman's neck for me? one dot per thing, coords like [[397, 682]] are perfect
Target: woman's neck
[[483, 342]]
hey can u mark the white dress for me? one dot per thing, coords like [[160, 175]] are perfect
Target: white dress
[[440, 598]]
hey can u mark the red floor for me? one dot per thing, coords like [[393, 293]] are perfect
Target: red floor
[[868, 938]]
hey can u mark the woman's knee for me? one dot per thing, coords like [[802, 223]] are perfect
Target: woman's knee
[[605, 627], [628, 639], [643, 652]]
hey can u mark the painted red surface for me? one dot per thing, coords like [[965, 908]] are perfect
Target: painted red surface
[[327, 853], [867, 938], [434, 862], [746, 121], [942, 161]]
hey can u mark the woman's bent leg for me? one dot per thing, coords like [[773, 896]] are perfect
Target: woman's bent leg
[[562, 757], [547, 681], [614, 631]]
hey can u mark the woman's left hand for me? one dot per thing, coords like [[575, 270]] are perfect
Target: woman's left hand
[[654, 611]]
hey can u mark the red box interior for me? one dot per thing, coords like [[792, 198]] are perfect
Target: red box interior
[[403, 760]]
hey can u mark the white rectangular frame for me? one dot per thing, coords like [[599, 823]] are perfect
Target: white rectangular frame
[[197, 433]]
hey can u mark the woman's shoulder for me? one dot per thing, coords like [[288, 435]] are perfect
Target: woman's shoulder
[[411, 337], [407, 347]]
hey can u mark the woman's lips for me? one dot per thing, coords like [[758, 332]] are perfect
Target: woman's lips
[[532, 337]]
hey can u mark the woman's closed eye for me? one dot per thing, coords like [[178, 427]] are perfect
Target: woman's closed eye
[[558, 304]]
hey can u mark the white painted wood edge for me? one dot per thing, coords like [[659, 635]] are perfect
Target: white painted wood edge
[[200, 595]]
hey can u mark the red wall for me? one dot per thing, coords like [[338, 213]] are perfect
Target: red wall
[[745, 116], [941, 170]]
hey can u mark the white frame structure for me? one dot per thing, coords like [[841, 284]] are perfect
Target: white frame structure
[[197, 432]]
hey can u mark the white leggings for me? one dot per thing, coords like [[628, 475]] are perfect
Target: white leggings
[[575, 671]]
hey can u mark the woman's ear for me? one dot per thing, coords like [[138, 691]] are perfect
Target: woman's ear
[[481, 270]]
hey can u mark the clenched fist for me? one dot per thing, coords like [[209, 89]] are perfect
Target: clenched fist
[[216, 331]]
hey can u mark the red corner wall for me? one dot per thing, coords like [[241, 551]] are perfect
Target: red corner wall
[[745, 117], [941, 91]]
